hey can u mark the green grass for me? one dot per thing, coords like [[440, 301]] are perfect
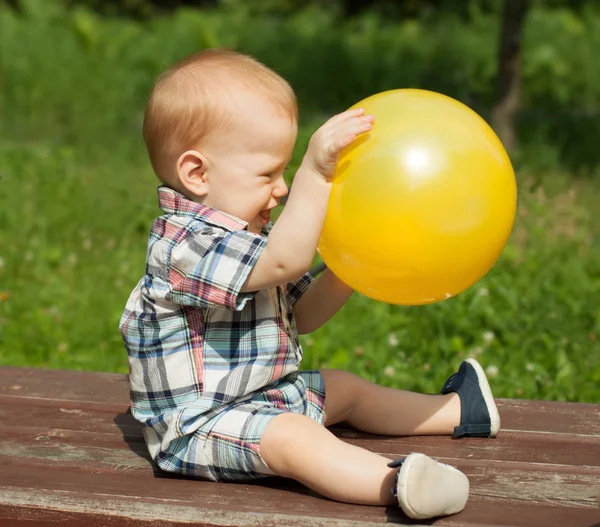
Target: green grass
[[73, 236], [533, 321], [77, 198]]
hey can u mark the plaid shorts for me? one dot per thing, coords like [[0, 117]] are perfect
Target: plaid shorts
[[227, 448]]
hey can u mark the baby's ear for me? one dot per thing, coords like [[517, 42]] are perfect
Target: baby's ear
[[191, 172]]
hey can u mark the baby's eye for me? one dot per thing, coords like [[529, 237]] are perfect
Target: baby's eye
[[274, 174]]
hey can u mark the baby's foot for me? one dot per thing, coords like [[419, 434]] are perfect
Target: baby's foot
[[479, 415], [426, 488]]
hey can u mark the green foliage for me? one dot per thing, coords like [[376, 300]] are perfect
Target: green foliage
[[70, 247], [388, 8], [332, 62], [78, 195], [532, 322]]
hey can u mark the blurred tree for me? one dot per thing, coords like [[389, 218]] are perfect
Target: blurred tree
[[511, 15], [508, 81], [416, 8], [388, 8]]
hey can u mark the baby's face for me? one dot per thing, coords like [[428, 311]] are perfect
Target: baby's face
[[246, 163]]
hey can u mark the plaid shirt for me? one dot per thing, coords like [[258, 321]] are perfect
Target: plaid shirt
[[196, 344]]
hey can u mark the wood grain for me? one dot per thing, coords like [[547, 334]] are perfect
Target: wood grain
[[71, 454]]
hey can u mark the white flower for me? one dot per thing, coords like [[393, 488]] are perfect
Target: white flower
[[483, 291], [389, 371], [529, 366], [1, 262], [392, 340], [488, 337], [474, 352], [492, 370]]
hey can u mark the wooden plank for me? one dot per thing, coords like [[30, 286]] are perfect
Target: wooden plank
[[111, 390], [488, 478], [135, 511], [41, 419], [81, 427], [558, 453], [518, 513], [171, 497], [36, 448], [69, 448], [77, 386], [553, 450], [37, 517], [275, 502], [49, 415], [549, 416]]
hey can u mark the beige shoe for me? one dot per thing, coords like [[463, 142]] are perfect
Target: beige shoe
[[427, 489]]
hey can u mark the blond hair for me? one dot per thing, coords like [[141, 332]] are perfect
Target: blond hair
[[189, 100]]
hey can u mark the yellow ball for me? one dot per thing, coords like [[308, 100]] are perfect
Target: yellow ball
[[422, 206]]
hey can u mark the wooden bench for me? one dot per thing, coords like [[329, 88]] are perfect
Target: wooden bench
[[71, 454]]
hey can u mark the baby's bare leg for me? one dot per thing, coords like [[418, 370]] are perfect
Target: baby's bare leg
[[297, 447], [380, 410]]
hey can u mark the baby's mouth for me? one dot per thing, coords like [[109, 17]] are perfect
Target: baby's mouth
[[265, 216]]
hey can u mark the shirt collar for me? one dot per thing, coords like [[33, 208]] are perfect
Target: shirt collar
[[172, 202]]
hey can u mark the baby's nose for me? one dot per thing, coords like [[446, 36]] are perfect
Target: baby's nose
[[281, 189]]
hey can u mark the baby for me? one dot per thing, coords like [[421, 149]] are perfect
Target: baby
[[212, 327]]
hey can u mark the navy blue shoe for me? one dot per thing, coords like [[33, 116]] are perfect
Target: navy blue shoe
[[478, 412]]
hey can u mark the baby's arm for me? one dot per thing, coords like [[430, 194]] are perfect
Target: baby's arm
[[293, 239], [323, 299]]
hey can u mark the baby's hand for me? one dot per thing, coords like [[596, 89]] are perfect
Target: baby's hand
[[336, 134]]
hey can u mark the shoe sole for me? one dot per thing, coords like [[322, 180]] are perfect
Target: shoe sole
[[486, 391], [434, 473]]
